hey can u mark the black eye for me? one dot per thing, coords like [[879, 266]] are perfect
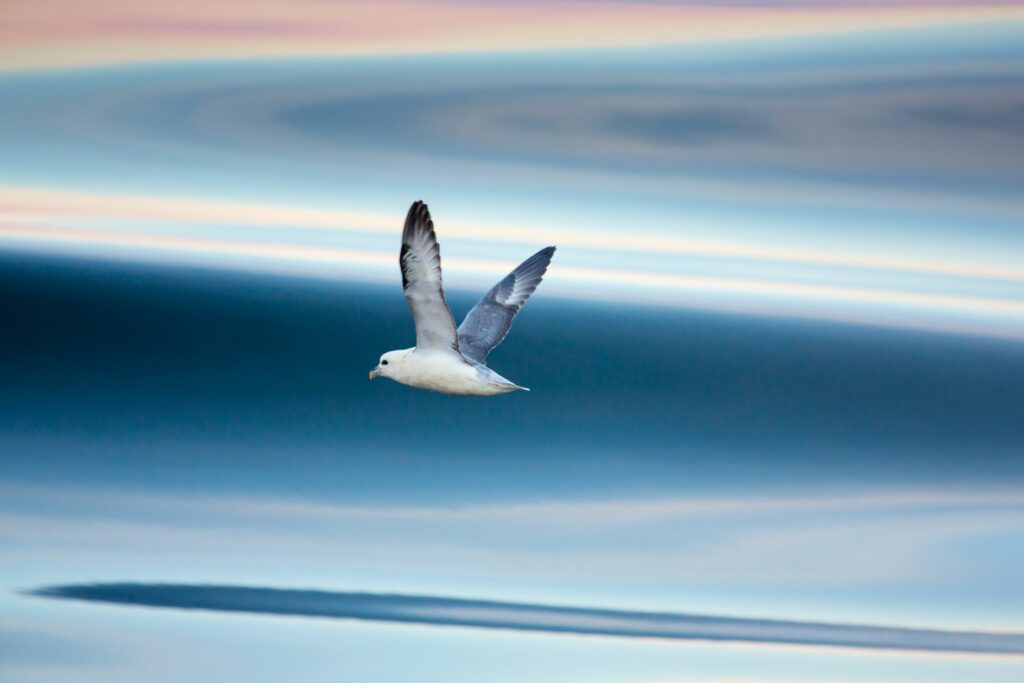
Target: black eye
[[383, 362]]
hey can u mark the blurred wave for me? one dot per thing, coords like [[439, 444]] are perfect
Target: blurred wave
[[626, 397], [49, 33], [527, 617], [872, 179]]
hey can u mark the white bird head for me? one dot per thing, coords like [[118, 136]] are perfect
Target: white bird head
[[390, 364]]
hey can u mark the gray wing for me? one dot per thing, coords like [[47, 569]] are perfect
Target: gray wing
[[420, 260], [489, 321]]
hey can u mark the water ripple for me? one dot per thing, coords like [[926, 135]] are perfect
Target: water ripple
[[444, 611]]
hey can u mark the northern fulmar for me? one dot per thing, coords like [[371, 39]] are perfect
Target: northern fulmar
[[446, 359]]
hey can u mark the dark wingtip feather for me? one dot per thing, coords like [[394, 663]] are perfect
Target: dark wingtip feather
[[417, 219], [536, 264]]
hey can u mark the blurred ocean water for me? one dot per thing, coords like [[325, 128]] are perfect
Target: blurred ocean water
[[777, 368], [186, 426]]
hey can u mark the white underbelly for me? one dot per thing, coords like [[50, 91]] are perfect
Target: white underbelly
[[448, 374]]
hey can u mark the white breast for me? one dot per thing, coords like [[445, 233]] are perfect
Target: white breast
[[446, 373]]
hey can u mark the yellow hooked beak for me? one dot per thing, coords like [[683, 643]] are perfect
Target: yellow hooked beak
[[375, 373]]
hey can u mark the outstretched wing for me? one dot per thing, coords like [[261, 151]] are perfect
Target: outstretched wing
[[420, 260], [489, 321]]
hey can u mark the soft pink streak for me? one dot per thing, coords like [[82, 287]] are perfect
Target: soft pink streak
[[55, 33]]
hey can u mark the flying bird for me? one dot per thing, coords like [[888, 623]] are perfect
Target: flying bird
[[446, 359]]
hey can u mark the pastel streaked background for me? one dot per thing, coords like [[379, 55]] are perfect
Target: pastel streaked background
[[777, 365]]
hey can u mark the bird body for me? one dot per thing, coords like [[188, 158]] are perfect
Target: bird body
[[446, 359], [446, 373]]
